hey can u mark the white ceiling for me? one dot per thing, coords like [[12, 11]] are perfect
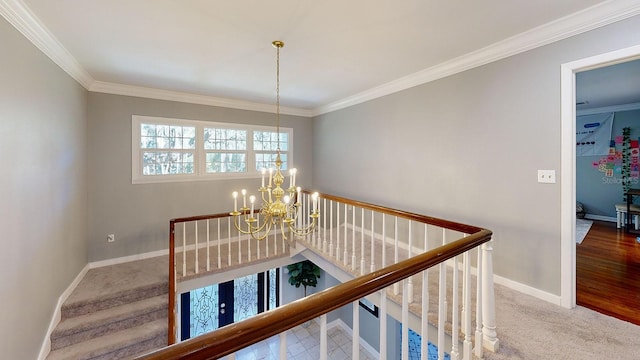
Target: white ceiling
[[335, 51]]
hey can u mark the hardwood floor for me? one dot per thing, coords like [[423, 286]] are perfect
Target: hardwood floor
[[608, 272]]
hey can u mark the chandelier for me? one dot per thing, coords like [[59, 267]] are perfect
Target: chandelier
[[280, 207]]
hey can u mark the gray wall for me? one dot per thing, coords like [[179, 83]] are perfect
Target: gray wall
[[139, 215], [43, 190], [599, 194], [467, 148]]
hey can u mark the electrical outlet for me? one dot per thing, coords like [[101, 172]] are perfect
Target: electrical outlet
[[111, 238], [547, 176]]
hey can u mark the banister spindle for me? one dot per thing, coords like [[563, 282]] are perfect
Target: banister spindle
[[405, 321], [345, 256], [325, 245], [396, 286], [410, 280], [362, 262], [229, 241], [383, 324], [455, 322], [219, 242], [184, 249], [196, 251], [208, 248], [490, 337], [323, 337], [355, 343], [424, 349], [372, 267], [478, 337], [466, 344], [442, 306], [331, 249], [338, 253], [353, 239]]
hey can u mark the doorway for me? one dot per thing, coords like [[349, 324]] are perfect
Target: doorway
[[211, 307], [568, 162]]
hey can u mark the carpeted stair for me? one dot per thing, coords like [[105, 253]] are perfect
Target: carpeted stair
[[116, 312]]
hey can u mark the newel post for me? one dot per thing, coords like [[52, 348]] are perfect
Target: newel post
[[490, 337]]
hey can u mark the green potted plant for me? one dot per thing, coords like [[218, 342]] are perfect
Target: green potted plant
[[304, 273]]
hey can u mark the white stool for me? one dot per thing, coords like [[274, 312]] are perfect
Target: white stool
[[621, 215]]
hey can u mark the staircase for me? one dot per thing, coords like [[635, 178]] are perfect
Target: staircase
[[116, 312]]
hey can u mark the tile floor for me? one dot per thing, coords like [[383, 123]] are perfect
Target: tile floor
[[303, 343]]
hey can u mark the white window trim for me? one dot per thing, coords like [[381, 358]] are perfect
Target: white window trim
[[200, 173]]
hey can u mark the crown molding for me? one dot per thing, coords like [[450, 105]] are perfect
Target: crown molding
[[577, 23], [159, 94], [27, 23]]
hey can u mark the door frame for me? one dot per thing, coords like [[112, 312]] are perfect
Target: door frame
[[568, 162]]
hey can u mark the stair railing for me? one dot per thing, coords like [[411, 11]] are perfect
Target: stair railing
[[341, 236]]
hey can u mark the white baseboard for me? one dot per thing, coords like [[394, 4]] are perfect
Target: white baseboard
[[526, 289], [600, 217], [125, 259], [55, 319]]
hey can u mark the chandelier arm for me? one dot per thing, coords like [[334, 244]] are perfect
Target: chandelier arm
[[304, 230], [266, 232]]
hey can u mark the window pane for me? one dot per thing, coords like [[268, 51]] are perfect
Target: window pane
[[268, 161], [167, 137], [268, 140], [167, 163], [245, 296], [203, 310], [219, 162], [225, 139]]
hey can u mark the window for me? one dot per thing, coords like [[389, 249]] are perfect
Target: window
[[166, 150]]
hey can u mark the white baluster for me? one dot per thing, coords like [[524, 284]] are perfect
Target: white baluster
[[463, 312], [383, 324], [362, 262], [455, 322], [353, 239], [325, 245], [283, 345], [184, 249], [355, 349], [372, 268], [396, 286], [331, 249], [384, 242], [424, 349], [442, 307], [219, 246], [490, 340], [229, 241], [196, 252], [405, 322], [478, 335], [345, 255], [446, 303], [338, 253], [240, 247], [208, 248], [323, 337], [410, 282], [466, 344]]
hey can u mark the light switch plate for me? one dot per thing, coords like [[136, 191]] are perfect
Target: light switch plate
[[547, 176]]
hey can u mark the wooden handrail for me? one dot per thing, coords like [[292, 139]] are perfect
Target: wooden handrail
[[467, 229], [234, 337]]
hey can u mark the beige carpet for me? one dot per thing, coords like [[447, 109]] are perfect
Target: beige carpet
[[529, 328]]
